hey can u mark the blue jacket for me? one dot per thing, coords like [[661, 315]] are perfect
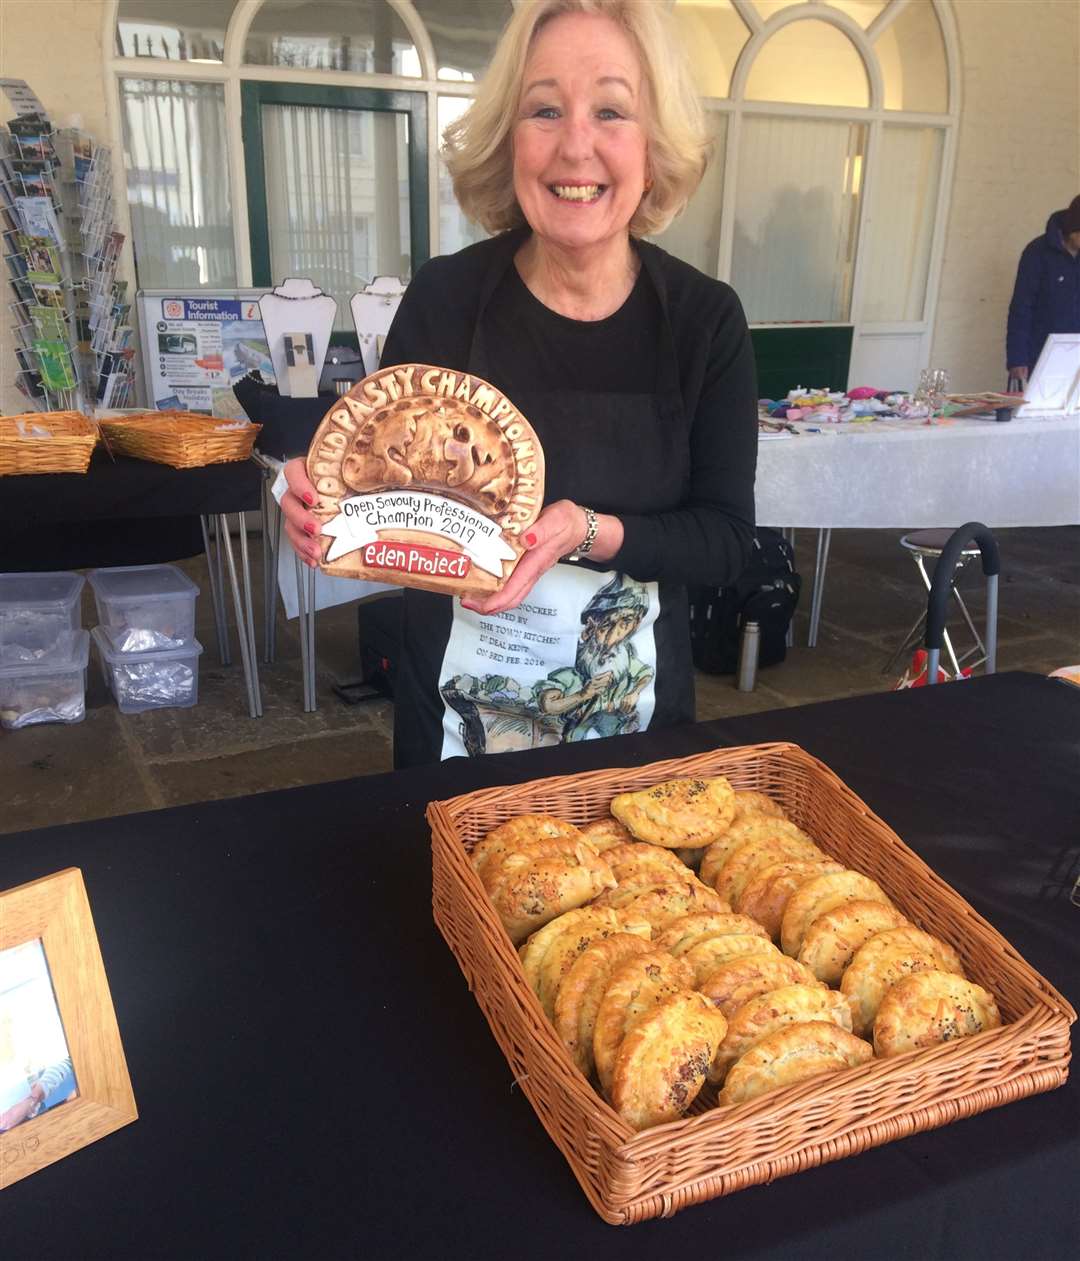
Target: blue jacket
[[1046, 297]]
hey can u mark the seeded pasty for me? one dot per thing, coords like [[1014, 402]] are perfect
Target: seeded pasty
[[634, 858], [765, 896], [744, 862], [788, 1005], [929, 1008], [739, 980], [908, 934], [707, 956], [528, 899], [877, 967], [663, 1061], [635, 988], [830, 942], [686, 931], [565, 946], [678, 813], [750, 827], [582, 989], [515, 833], [793, 1054], [820, 895]]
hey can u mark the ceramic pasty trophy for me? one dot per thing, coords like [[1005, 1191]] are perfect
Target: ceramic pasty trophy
[[426, 478]]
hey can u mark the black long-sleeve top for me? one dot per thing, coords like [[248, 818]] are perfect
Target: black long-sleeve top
[[684, 494]]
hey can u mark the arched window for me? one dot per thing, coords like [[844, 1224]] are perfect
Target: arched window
[[827, 200], [270, 137]]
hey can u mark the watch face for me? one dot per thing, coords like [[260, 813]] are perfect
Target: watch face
[[426, 477]]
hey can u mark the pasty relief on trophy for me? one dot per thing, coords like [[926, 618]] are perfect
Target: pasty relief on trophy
[[426, 477]]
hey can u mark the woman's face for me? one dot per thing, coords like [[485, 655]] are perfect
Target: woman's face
[[579, 140]]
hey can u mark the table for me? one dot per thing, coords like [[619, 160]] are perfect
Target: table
[[314, 1080], [1024, 472], [45, 520]]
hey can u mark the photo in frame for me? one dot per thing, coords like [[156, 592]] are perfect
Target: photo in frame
[[63, 1077]]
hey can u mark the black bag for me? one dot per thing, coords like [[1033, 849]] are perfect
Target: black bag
[[379, 627], [767, 592]]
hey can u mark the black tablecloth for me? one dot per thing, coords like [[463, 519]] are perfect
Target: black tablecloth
[[288, 424], [120, 512], [314, 1080]]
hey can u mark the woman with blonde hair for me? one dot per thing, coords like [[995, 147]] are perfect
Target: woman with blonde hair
[[635, 370]]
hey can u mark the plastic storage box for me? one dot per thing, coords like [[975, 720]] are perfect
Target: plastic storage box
[[168, 679], [36, 609], [145, 607], [46, 685]]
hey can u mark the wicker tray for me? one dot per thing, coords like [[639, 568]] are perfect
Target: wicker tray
[[181, 439], [629, 1176], [65, 447]]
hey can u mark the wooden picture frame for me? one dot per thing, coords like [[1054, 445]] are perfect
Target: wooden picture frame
[[55, 911]]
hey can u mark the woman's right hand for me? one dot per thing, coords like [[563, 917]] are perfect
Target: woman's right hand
[[301, 527]]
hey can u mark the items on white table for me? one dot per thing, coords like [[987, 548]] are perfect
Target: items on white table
[[297, 304], [44, 684], [1054, 386], [165, 679], [145, 607]]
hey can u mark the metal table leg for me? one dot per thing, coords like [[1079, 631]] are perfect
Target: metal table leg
[[271, 524], [821, 564], [305, 648], [312, 574], [217, 597], [244, 625], [788, 532]]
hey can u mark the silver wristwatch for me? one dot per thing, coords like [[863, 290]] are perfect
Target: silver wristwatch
[[586, 545]]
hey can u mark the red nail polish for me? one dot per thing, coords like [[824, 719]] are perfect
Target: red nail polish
[[309, 498], [530, 540], [309, 528]]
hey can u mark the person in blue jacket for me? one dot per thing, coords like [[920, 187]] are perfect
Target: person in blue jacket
[[1046, 297]]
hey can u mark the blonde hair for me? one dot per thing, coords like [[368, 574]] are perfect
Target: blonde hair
[[478, 146]]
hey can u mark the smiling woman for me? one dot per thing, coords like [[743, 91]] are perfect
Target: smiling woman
[[635, 371]]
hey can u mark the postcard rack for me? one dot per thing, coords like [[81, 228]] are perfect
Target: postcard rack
[[70, 315]]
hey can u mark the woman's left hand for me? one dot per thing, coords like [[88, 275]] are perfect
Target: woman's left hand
[[556, 532]]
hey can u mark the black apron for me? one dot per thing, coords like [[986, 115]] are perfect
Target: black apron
[[590, 652]]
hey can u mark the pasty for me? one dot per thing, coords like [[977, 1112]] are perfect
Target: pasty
[[516, 832], [744, 978], [765, 896], [662, 1063], [633, 858], [830, 942], [686, 931], [789, 1005], [635, 988], [877, 966], [529, 898], [749, 858], [749, 802], [908, 934], [533, 951], [706, 956], [663, 903], [750, 827], [793, 1054], [549, 952], [602, 834], [928, 1008], [820, 895], [678, 812], [582, 988]]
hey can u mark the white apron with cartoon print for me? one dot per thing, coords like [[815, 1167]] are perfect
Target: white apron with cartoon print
[[575, 661]]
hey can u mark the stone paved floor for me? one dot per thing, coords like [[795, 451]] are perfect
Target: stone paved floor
[[114, 763]]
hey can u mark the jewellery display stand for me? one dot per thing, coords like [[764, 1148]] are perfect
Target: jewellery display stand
[[373, 310], [296, 306]]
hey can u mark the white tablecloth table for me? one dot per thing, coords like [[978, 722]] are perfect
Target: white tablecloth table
[[1023, 472]]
